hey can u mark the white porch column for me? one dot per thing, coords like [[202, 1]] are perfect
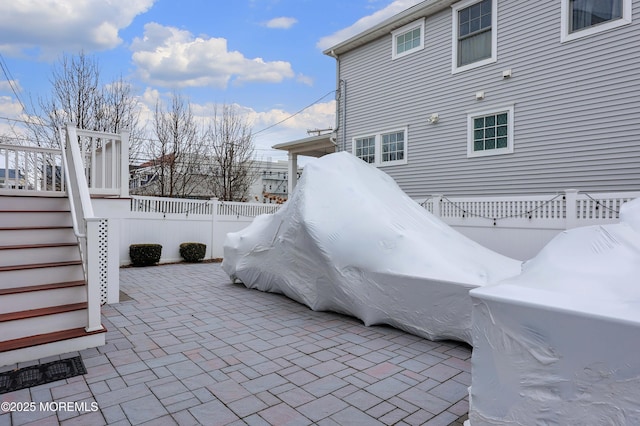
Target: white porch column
[[292, 173]]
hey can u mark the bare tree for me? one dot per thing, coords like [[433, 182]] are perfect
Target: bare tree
[[78, 96], [230, 145], [177, 154]]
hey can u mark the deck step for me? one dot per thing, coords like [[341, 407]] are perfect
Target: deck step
[[46, 252], [27, 275], [41, 339], [40, 265], [33, 313], [41, 296], [37, 246], [28, 218], [41, 287]]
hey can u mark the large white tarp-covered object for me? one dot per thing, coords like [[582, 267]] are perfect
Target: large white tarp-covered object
[[349, 240], [560, 344]]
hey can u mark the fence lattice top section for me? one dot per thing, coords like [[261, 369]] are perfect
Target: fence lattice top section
[[140, 204], [570, 206]]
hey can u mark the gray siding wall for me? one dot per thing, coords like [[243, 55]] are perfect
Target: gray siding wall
[[577, 106]]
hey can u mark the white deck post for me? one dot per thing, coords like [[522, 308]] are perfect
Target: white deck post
[[214, 219], [571, 208], [292, 173], [437, 204], [94, 320], [124, 164]]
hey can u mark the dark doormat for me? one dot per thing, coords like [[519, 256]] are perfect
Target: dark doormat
[[35, 375]]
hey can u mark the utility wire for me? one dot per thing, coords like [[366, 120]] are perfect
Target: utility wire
[[294, 114], [10, 80]]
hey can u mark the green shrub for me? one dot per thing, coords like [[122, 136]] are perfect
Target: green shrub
[[193, 252], [145, 254]]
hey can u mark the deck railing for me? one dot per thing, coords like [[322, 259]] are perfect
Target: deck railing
[[105, 159], [31, 169]]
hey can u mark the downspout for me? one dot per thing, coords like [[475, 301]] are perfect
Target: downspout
[[344, 114], [341, 102]]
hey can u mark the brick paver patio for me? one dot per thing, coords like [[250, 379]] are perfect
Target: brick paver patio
[[191, 348]]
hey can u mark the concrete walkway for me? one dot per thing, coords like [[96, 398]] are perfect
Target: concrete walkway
[[192, 348]]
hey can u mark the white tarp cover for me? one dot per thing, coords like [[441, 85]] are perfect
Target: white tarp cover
[[560, 344], [350, 241]]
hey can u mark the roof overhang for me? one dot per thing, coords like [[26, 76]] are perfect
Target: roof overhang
[[313, 146], [420, 10]]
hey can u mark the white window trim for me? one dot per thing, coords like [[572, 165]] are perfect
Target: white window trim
[[405, 29], [509, 109], [375, 146], [454, 38], [565, 35], [378, 146]]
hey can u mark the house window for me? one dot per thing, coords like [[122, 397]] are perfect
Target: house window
[[408, 39], [474, 34], [365, 149], [490, 132], [582, 18], [393, 146], [386, 148]]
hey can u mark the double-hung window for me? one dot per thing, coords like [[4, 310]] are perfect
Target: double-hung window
[[490, 132], [581, 18], [408, 39], [365, 148], [474, 34], [382, 149]]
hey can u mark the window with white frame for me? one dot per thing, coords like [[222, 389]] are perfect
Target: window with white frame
[[392, 145], [408, 39], [490, 132], [365, 148], [385, 148], [474, 34], [581, 18]]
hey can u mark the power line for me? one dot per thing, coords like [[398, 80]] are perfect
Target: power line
[[294, 114], [10, 80], [23, 121]]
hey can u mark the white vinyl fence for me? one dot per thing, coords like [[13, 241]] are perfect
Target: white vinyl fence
[[515, 226], [520, 226], [171, 221]]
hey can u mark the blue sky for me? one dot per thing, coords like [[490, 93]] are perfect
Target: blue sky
[[263, 55]]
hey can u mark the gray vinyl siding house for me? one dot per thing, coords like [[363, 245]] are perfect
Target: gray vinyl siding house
[[569, 101]]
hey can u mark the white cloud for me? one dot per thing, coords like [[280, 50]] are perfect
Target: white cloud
[[8, 86], [304, 79], [54, 26], [365, 23], [171, 57], [318, 116], [281, 23], [11, 108]]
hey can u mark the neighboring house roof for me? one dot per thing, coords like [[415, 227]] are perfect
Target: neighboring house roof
[[167, 158], [426, 8]]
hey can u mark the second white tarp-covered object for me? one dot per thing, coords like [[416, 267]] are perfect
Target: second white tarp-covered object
[[560, 343], [350, 241]]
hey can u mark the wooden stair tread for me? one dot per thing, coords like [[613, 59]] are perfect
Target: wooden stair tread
[[34, 228], [51, 310], [41, 287], [41, 339], [40, 265], [34, 246], [35, 211]]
